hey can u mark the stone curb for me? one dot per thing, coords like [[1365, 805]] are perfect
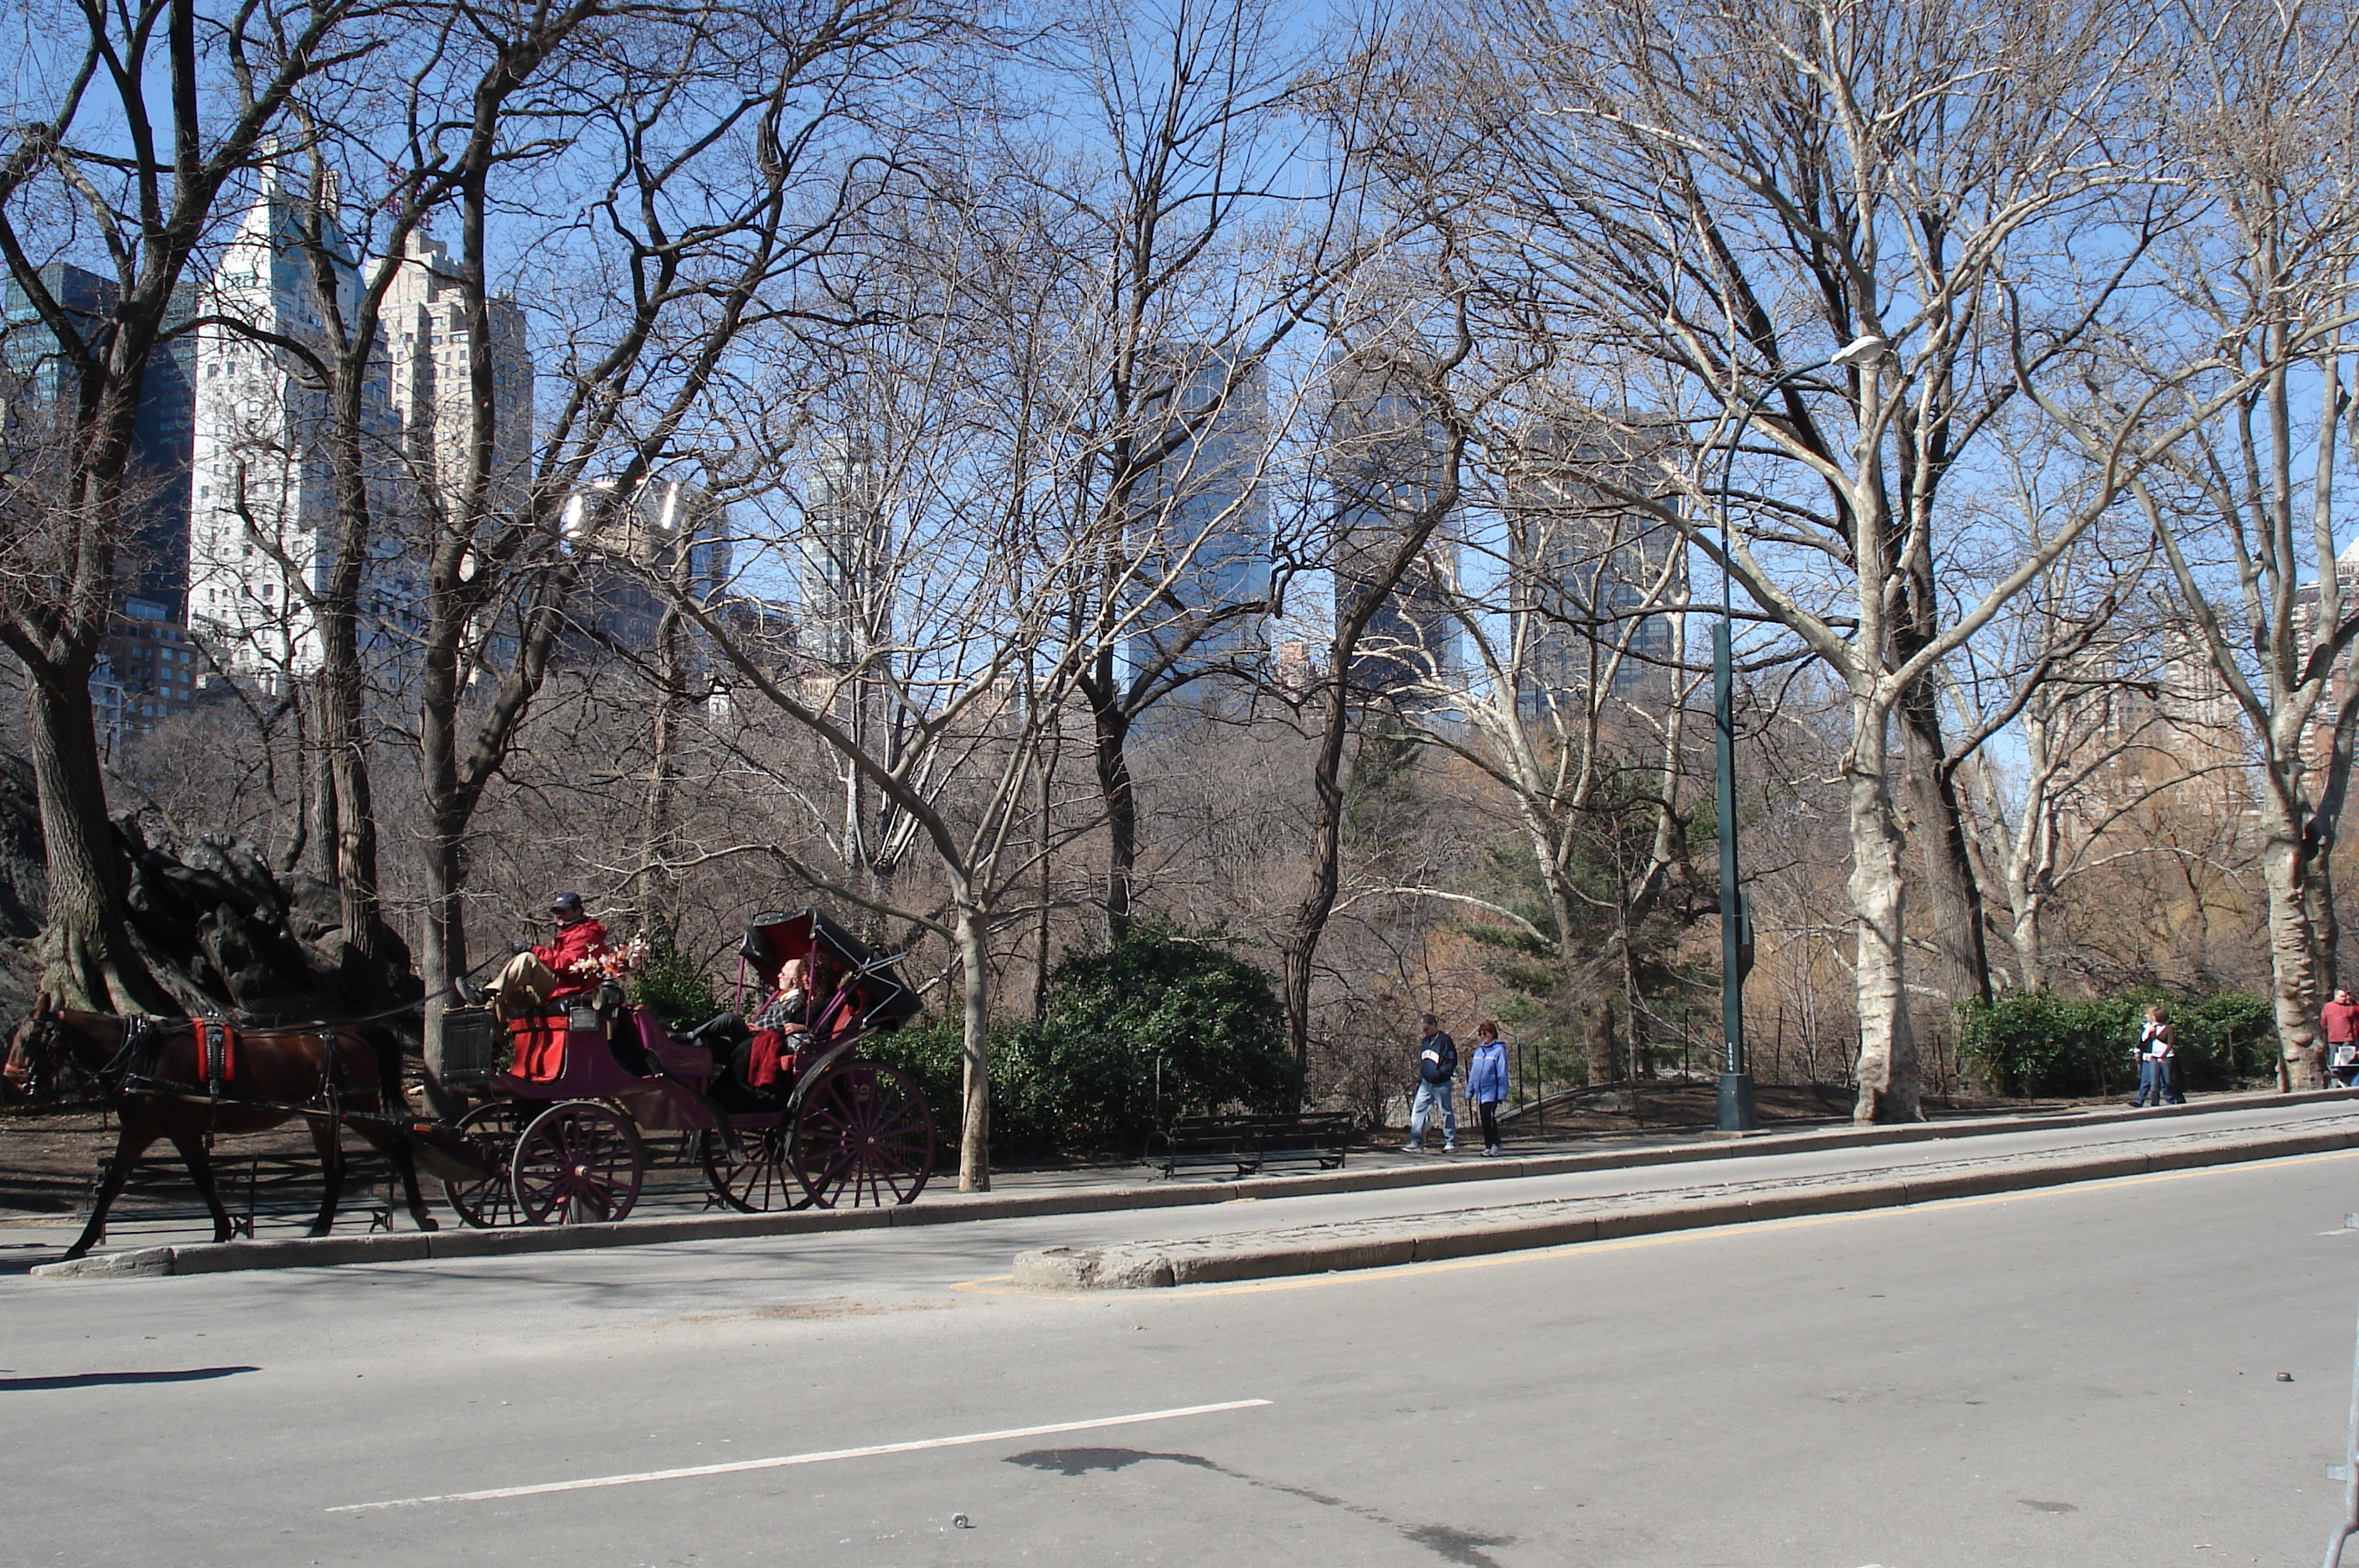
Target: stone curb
[[413, 1246], [1163, 1265]]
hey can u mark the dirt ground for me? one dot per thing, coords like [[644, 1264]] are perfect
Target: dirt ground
[[48, 1158]]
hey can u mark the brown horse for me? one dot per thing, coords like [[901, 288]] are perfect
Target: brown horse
[[147, 1071]]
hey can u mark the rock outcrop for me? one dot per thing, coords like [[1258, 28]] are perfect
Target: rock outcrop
[[218, 927]]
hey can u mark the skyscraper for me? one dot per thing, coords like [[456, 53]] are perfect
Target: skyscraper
[[845, 569], [663, 530], [1384, 459], [152, 559], [427, 327], [1199, 519], [1584, 564], [263, 512]]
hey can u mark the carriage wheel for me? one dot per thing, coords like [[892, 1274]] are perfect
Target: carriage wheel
[[489, 1202], [865, 1136], [577, 1163], [757, 1179]]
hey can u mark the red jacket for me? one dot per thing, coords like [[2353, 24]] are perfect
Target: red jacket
[[583, 939], [2341, 1020]]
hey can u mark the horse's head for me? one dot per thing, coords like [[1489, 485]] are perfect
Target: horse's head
[[36, 1055]]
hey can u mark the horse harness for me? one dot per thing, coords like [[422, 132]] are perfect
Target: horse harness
[[132, 1069]]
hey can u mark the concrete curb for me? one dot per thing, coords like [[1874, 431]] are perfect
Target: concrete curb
[[414, 1247], [1385, 1245]]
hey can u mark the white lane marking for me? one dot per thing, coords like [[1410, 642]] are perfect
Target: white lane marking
[[786, 1459]]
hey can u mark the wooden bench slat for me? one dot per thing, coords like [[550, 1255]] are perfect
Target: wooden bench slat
[[1252, 1141]]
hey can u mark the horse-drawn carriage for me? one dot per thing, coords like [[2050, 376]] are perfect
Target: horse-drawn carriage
[[559, 1128], [555, 1136]]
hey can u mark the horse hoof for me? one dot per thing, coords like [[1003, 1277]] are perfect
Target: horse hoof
[[428, 1222]]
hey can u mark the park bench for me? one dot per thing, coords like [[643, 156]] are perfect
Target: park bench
[[1252, 1144]]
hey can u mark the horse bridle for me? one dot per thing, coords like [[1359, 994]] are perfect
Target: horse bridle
[[36, 1047], [43, 1052]]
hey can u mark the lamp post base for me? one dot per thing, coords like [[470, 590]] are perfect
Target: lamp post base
[[1734, 1112]]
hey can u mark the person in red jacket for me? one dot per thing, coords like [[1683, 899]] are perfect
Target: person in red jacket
[[2340, 1017], [546, 973]]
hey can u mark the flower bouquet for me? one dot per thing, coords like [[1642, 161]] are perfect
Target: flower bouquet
[[613, 963]]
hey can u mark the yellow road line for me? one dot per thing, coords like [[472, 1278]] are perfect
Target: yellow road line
[[1002, 1285]]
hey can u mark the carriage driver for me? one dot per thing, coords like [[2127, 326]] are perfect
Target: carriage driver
[[541, 975]]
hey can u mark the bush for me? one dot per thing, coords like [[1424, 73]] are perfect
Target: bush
[[1158, 1025], [2036, 1043], [672, 985]]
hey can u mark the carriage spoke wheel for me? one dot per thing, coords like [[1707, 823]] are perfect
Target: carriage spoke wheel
[[489, 1202], [757, 1178], [577, 1163], [865, 1137]]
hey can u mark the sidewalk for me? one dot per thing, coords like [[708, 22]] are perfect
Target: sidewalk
[[677, 1211]]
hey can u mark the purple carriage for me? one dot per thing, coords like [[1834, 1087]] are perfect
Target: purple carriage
[[559, 1129]]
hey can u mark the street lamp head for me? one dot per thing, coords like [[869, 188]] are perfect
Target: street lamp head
[[1868, 350]]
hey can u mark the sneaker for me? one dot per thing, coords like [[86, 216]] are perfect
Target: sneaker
[[1494, 1151], [1449, 1148], [1412, 1149]]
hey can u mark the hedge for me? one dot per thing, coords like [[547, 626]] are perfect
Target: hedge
[[2035, 1042], [1161, 1025]]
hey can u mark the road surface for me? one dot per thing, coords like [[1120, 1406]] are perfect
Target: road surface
[[2081, 1376]]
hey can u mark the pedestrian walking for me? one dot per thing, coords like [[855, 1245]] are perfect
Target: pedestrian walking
[[1437, 1070], [1487, 1081], [2158, 1060], [2340, 1017]]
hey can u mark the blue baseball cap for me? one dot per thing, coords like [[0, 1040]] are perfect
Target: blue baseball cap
[[566, 903]]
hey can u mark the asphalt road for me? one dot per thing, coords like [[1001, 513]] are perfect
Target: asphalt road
[[2082, 1375]]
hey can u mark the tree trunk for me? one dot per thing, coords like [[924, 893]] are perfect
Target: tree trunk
[[1301, 948], [375, 953], [1952, 895], [87, 961], [1042, 804], [974, 1120], [656, 887], [1110, 731], [1887, 1046], [2293, 946]]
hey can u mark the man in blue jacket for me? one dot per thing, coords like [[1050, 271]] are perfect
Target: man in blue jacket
[[1437, 1066]]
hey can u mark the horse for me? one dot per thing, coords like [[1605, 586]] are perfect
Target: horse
[[149, 1073]]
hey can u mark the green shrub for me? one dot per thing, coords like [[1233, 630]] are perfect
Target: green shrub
[[1158, 1025], [672, 985], [2036, 1043]]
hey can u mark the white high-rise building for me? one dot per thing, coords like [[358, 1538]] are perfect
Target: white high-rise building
[[846, 558], [426, 328], [262, 504]]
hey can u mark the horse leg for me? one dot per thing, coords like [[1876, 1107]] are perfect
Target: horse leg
[[325, 1139], [200, 1170], [410, 1194], [131, 1141]]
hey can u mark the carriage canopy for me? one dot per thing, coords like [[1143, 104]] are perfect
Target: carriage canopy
[[879, 1001]]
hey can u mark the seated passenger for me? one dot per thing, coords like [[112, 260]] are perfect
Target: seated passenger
[[778, 1028], [542, 975]]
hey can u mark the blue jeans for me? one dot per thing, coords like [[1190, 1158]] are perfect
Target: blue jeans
[[2157, 1083], [1421, 1109]]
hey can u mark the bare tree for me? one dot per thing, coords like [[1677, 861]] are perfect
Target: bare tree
[[1715, 203], [2244, 509], [148, 116]]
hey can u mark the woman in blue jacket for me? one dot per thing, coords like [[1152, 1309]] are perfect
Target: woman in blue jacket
[[1487, 1081]]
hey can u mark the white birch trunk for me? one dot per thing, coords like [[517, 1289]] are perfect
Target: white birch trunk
[[2293, 948], [1887, 1049]]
